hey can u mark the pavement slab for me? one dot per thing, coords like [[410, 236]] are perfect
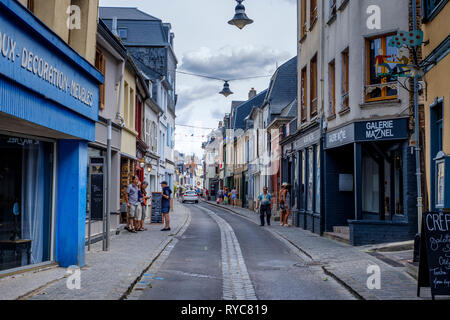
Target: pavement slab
[[106, 275]]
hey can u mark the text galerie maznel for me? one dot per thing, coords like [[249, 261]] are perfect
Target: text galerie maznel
[[45, 71]]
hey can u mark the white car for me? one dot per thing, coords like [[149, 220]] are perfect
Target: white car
[[190, 196]]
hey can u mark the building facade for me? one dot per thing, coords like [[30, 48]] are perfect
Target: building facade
[[110, 61], [436, 61], [49, 98], [369, 183], [150, 42]]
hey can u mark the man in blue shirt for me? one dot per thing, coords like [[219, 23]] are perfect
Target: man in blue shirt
[[265, 205], [166, 192]]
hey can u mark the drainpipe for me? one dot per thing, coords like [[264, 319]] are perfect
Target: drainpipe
[[416, 129], [322, 68], [106, 242], [108, 185]]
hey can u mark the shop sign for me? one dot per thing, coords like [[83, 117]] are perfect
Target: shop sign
[[341, 136], [38, 66], [380, 130], [307, 140]]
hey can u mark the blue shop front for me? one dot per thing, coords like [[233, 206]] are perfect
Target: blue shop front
[[370, 182], [48, 109]]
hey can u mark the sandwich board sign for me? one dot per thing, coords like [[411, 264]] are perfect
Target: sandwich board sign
[[156, 213], [434, 264]]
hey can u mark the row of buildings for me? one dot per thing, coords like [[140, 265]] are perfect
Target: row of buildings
[[337, 122], [75, 78]]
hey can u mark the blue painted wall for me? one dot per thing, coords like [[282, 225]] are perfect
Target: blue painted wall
[[71, 202], [32, 97], [30, 46]]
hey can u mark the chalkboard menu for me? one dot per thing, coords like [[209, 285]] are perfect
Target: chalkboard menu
[[434, 266], [156, 207], [96, 184]]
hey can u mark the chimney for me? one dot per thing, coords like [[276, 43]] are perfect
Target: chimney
[[252, 94], [114, 26]]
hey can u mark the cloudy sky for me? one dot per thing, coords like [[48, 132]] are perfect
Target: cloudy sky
[[206, 44]]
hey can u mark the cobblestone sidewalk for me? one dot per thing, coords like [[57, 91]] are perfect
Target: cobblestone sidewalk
[[346, 263], [107, 275]]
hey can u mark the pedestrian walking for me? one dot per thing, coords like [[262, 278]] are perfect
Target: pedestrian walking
[[234, 196], [264, 204], [285, 202], [143, 198], [226, 196], [166, 192], [133, 204], [220, 198]]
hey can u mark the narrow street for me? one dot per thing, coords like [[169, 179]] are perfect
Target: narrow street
[[194, 269]]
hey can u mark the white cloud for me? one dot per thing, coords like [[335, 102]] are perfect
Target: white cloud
[[233, 62]]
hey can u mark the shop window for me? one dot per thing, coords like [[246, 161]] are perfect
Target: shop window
[[303, 27], [302, 170], [317, 182], [310, 191], [370, 185], [313, 13], [436, 141], [381, 61], [345, 79], [313, 87], [26, 189], [304, 95], [332, 88], [398, 182], [100, 64]]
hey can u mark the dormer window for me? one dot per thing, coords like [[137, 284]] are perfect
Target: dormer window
[[123, 33]]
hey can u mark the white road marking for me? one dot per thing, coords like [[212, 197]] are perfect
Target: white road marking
[[236, 280]]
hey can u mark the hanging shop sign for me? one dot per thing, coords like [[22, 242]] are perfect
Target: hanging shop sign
[[379, 130], [42, 65]]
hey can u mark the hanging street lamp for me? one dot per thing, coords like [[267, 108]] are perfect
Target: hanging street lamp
[[226, 90], [240, 19]]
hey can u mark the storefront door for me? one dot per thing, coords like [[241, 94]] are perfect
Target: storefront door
[[26, 189]]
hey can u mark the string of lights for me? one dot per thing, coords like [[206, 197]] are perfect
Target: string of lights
[[194, 127]]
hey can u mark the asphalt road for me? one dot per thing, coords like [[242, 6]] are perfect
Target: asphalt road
[[201, 265]]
